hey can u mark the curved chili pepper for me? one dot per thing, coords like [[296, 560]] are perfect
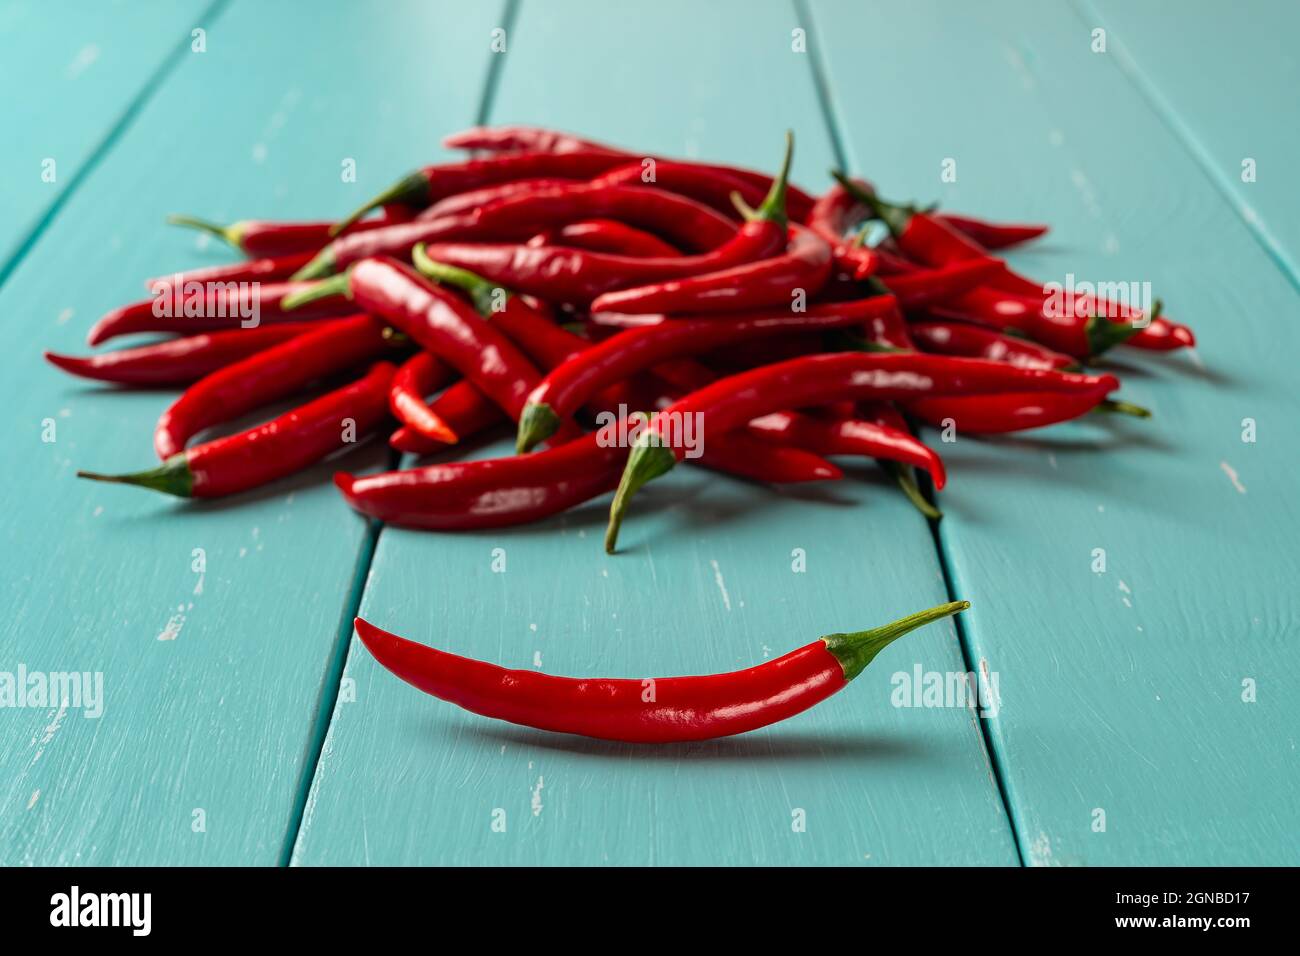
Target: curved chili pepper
[[419, 375], [268, 376], [848, 436], [566, 388], [469, 201], [439, 322], [607, 235], [712, 186], [216, 306], [815, 380], [272, 269], [260, 238], [1082, 338], [974, 341], [432, 183], [179, 361], [274, 449], [803, 267], [534, 139], [517, 216], [991, 235], [652, 711]]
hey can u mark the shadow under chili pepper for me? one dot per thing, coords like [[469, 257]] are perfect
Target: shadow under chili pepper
[[1165, 365], [777, 745]]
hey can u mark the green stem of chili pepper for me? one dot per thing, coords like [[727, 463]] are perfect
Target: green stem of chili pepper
[[905, 477], [480, 291], [334, 285], [232, 235], [412, 190]]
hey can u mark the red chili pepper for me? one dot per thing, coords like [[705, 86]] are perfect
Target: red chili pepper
[[280, 447], [991, 235], [179, 361], [1077, 336], [266, 377], [419, 375], [536, 140], [848, 436], [439, 322], [886, 415], [710, 185], [463, 411], [275, 269], [974, 341], [925, 287], [659, 710], [213, 307], [518, 216], [815, 380], [570, 385], [260, 238], [432, 183], [1011, 411], [607, 235], [832, 216], [803, 269], [469, 201]]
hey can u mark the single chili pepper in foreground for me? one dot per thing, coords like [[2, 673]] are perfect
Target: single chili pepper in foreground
[[518, 216], [219, 306], [533, 139], [432, 183], [570, 385], [680, 709], [974, 341], [260, 238], [815, 380], [804, 267], [268, 376], [438, 321], [273, 269], [274, 449], [179, 361], [607, 235], [419, 375]]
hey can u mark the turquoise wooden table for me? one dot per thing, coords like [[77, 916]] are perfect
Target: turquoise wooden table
[[1142, 714]]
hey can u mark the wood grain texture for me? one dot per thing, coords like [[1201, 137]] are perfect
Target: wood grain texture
[[69, 80], [704, 584], [1227, 88], [1123, 690], [212, 681]]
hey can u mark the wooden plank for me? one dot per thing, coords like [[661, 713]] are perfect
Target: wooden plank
[[212, 682], [71, 79], [705, 583], [1224, 78], [1123, 690]]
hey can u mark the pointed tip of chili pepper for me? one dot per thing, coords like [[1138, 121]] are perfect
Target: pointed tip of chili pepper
[[72, 364], [1184, 336], [412, 190], [856, 649], [433, 427], [335, 285], [172, 477], [105, 328], [232, 235], [646, 462]]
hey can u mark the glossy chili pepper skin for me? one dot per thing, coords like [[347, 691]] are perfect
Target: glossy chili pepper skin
[[710, 185], [804, 266], [925, 287], [974, 341], [470, 201], [833, 215], [608, 235], [570, 385], [531, 139], [268, 376], [273, 449], [217, 307], [273, 269], [1079, 337], [991, 235], [179, 361], [419, 375], [815, 380], [999, 414], [680, 709]]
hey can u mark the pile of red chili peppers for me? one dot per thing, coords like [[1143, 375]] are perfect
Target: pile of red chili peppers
[[599, 302]]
